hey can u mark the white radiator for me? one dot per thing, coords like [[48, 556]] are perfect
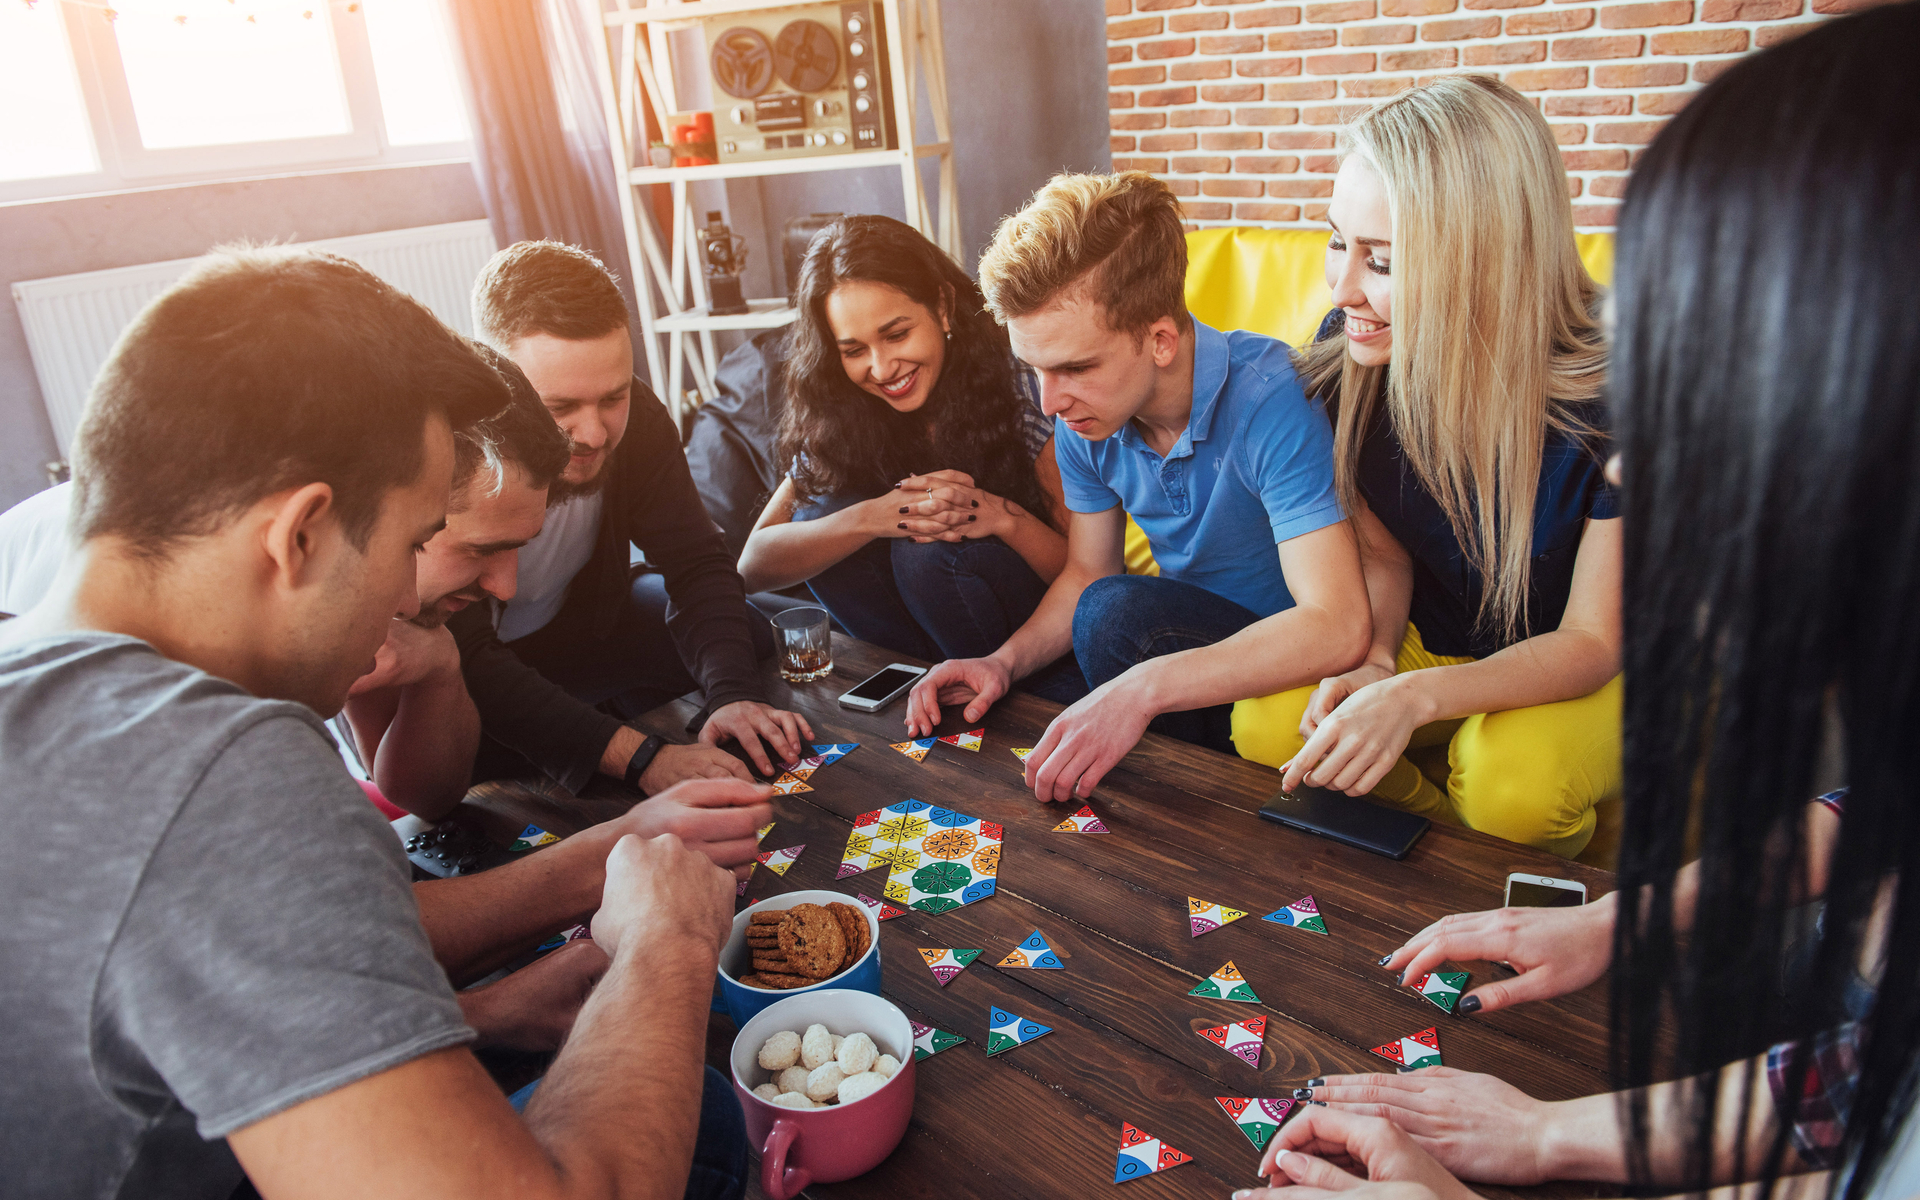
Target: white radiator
[[72, 321]]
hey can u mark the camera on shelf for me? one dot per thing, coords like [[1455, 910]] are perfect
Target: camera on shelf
[[724, 254]]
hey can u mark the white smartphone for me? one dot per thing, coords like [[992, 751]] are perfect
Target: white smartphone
[[1543, 891], [882, 687]]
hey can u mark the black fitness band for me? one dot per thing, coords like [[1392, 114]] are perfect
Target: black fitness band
[[641, 760]]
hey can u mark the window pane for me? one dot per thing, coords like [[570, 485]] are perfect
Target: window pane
[[43, 121], [230, 74], [413, 63]]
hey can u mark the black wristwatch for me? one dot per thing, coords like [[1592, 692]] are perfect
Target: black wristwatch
[[641, 760]]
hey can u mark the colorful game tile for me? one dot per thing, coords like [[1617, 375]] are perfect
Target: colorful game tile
[[1442, 987], [760, 835], [928, 1041], [1242, 1039], [1226, 984], [1205, 916], [1082, 822], [531, 838], [1035, 953], [1021, 752], [936, 859], [882, 910], [1005, 1031], [778, 861], [790, 783], [1301, 914], [1142, 1154], [1413, 1051], [740, 885], [947, 964], [825, 756], [970, 740], [575, 934], [1259, 1117], [916, 749]]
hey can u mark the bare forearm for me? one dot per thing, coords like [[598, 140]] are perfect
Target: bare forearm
[[633, 1060], [1302, 645], [478, 923], [426, 758], [1561, 665], [781, 555], [1039, 544]]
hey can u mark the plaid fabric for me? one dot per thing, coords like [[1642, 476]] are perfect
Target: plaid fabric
[[1827, 1098], [1835, 800]]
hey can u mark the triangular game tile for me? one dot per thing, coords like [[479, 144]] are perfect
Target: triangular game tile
[[1442, 987], [1301, 914], [1034, 952], [916, 749], [1204, 916], [790, 783], [1414, 1051], [970, 740], [946, 964], [928, 1041], [1241, 1039], [1005, 1031], [1142, 1154], [1083, 821], [532, 837], [881, 909], [1021, 752], [778, 861], [760, 835], [1259, 1117], [1226, 984]]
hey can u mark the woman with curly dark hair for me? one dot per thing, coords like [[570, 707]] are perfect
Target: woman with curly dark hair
[[921, 497]]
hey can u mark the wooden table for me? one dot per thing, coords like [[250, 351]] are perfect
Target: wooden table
[[1044, 1118]]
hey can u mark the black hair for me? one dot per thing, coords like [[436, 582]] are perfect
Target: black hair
[[523, 434], [839, 437], [1766, 386]]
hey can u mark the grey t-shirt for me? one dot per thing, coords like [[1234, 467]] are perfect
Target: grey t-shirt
[[202, 922]]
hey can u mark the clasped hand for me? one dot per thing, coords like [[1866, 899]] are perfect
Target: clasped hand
[[1356, 727], [940, 506]]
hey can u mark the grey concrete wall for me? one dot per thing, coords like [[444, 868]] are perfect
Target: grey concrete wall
[[1027, 91], [93, 233]]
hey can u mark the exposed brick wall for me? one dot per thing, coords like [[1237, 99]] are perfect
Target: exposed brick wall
[[1236, 102]]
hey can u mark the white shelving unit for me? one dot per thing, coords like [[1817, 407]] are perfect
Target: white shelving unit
[[637, 78]]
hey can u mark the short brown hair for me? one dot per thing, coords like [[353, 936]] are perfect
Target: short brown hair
[[523, 435], [545, 287], [265, 369], [1117, 237]]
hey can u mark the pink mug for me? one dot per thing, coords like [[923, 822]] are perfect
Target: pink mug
[[801, 1147]]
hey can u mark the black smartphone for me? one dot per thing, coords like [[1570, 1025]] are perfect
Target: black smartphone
[[1347, 820]]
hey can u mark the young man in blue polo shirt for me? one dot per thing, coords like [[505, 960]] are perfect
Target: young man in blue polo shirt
[[1207, 441]]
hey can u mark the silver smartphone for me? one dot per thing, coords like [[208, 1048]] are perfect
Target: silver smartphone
[[1543, 891], [882, 687]]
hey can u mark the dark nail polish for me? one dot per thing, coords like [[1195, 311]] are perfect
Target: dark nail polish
[[1303, 1093], [1468, 1004], [1321, 1103], [1386, 959], [973, 518], [976, 504], [903, 508], [1314, 1083], [903, 524]]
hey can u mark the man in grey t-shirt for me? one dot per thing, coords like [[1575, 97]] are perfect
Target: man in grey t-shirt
[[209, 934]]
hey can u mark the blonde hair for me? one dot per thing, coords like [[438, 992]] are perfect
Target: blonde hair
[[1115, 237], [1495, 331]]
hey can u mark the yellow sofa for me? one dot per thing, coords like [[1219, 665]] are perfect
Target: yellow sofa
[[1274, 281]]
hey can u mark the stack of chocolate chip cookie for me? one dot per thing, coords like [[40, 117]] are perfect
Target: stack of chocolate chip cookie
[[800, 946]]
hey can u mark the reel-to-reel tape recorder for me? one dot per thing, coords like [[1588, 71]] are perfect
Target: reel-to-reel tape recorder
[[799, 82]]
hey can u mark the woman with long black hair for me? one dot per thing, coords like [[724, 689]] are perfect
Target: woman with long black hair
[[921, 497], [1765, 386]]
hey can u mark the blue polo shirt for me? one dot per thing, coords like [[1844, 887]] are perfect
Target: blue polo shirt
[[1252, 469]]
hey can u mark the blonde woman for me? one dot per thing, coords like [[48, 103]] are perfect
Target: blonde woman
[[1473, 470]]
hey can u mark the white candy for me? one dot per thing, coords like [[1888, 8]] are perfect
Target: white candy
[[780, 1051], [823, 1083], [838, 1041], [886, 1065], [858, 1087], [794, 1100], [816, 1047], [767, 1092], [857, 1054], [793, 1079]]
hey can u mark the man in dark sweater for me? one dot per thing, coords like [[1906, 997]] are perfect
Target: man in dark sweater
[[580, 631]]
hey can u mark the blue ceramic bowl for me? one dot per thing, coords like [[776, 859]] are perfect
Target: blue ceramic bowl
[[742, 1002]]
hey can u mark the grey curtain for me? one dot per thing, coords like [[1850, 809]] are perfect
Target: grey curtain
[[529, 70]]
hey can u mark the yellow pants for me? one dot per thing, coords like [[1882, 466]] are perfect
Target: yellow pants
[[1547, 776]]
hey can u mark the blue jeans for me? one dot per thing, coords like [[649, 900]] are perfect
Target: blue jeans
[[720, 1152], [1124, 620], [938, 600]]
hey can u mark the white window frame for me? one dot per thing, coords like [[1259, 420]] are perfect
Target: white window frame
[[126, 164]]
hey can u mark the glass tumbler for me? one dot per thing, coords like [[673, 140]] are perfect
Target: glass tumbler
[[806, 644]]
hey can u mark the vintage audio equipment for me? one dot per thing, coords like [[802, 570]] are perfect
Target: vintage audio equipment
[[799, 82]]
